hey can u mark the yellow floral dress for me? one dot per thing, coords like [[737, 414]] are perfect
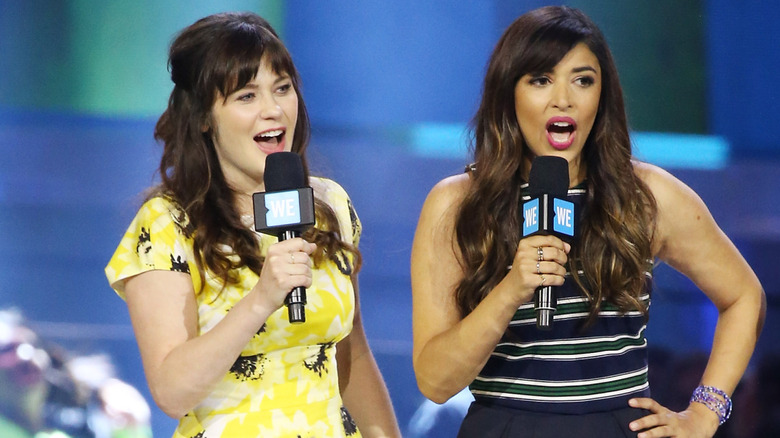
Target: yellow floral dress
[[285, 382]]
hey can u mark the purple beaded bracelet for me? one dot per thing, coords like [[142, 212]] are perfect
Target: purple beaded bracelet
[[706, 395]]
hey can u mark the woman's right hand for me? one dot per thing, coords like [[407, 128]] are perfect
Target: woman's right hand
[[539, 261], [287, 265]]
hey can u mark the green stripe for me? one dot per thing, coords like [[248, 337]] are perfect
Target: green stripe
[[565, 391], [570, 349]]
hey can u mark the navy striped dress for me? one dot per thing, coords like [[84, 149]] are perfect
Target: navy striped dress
[[571, 369]]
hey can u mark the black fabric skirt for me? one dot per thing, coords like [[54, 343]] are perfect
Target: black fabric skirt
[[484, 421]]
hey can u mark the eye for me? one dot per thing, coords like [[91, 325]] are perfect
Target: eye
[[539, 81], [284, 88], [585, 81], [245, 97]]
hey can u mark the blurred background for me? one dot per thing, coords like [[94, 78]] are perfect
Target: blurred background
[[391, 88]]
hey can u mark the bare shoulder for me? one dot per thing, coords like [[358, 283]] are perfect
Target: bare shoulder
[[447, 193], [435, 229], [656, 178], [667, 189]]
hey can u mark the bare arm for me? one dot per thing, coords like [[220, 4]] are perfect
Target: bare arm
[[689, 240], [450, 351], [181, 365], [362, 387]]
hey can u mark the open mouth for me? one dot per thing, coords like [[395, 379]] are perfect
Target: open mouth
[[271, 141], [560, 132]]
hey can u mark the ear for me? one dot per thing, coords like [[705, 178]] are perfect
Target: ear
[[206, 124]]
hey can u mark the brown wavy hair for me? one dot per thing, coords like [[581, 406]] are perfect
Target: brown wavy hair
[[216, 56], [609, 259]]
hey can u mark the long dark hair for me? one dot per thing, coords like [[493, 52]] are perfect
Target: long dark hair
[[614, 241], [218, 55]]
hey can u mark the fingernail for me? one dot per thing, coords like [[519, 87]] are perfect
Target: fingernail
[[632, 426]]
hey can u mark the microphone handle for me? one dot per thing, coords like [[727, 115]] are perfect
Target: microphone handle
[[296, 299], [545, 303]]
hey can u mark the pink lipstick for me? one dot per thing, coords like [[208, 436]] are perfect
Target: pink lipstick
[[561, 132]]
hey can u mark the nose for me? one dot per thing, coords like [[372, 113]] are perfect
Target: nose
[[269, 107], [560, 95]]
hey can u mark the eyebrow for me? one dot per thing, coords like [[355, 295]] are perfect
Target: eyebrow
[[584, 68], [574, 70], [282, 78]]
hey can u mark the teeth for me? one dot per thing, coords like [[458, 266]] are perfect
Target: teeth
[[272, 133], [562, 124]]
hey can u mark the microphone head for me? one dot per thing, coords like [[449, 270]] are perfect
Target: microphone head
[[283, 171], [549, 175]]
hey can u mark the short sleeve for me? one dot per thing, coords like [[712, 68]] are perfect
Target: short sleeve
[[158, 238], [338, 199]]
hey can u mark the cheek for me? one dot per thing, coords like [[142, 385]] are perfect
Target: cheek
[[592, 111], [530, 121], [292, 116], [292, 110], [596, 102]]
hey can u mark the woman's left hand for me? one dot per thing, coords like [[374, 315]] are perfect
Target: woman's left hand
[[697, 421]]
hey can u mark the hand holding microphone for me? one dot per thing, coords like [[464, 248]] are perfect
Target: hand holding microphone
[[286, 210], [547, 213]]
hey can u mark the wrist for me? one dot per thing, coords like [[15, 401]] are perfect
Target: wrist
[[705, 415], [714, 400], [515, 291], [260, 304]]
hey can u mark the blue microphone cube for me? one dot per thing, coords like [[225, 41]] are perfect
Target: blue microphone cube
[[564, 217]]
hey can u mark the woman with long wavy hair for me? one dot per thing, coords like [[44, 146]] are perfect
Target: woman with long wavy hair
[[551, 89], [206, 292]]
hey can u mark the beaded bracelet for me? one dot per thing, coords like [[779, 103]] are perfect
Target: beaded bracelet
[[706, 395]]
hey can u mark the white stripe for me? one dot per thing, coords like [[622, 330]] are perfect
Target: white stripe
[[580, 315], [570, 342], [568, 399], [589, 340], [573, 357], [569, 383], [567, 316], [580, 299], [562, 383]]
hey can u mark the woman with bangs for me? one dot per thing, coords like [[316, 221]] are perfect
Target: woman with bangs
[[551, 89], [205, 291]]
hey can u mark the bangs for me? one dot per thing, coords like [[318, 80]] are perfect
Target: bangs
[[550, 43], [243, 53]]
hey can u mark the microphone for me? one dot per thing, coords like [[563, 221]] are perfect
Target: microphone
[[285, 210], [548, 212]]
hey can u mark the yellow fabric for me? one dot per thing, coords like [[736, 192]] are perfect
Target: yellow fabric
[[285, 383]]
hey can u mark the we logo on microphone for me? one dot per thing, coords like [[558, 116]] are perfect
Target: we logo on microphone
[[564, 217], [530, 217], [283, 208], [538, 217]]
